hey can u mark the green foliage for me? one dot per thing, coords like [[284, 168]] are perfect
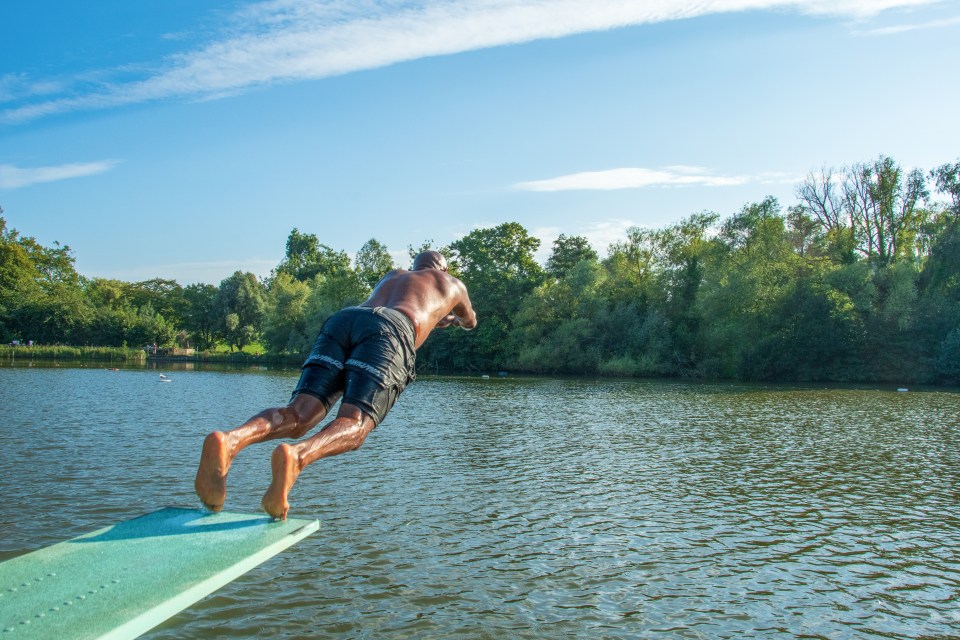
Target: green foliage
[[306, 258], [13, 355], [285, 320], [499, 269], [373, 262], [856, 282], [239, 308], [198, 315], [947, 363], [567, 252], [946, 178]]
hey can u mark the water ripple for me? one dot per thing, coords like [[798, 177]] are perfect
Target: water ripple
[[530, 508]]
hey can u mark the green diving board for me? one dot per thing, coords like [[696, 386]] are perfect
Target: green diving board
[[121, 581]]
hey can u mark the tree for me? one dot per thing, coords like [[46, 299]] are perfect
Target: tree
[[306, 258], [239, 307], [821, 197], [41, 296], [499, 269], [198, 316], [747, 280], [164, 296], [567, 252], [555, 327], [373, 262], [882, 205], [17, 280], [284, 325], [946, 177], [497, 265]]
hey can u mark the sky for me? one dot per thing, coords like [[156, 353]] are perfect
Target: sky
[[185, 139]]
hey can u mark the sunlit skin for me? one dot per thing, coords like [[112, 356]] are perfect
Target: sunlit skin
[[429, 296]]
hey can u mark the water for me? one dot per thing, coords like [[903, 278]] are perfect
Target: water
[[528, 508]]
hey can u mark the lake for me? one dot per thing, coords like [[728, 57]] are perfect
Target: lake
[[528, 508]]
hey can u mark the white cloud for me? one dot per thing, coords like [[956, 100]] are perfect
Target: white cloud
[[288, 40], [12, 177], [902, 28], [639, 177]]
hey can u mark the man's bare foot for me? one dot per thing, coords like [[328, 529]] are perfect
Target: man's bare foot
[[211, 482], [285, 464]]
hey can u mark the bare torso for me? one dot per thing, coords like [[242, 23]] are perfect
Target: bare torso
[[427, 296]]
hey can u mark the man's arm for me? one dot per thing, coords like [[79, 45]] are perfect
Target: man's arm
[[464, 316]]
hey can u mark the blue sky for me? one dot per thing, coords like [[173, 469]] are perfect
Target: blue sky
[[185, 139]]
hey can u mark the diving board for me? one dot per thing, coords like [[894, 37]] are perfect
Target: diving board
[[123, 580]]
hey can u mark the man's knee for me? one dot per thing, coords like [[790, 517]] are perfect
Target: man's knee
[[304, 412]]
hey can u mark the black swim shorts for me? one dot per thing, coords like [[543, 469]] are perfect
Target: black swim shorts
[[366, 352]]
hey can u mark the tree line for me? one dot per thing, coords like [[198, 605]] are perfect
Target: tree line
[[859, 280]]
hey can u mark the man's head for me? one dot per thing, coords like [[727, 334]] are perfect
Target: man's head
[[430, 260]]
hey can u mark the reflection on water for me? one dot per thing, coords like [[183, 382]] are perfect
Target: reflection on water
[[529, 508]]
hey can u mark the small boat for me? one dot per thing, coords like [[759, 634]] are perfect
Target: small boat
[[164, 378]]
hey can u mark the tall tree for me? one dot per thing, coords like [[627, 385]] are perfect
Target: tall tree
[[946, 178], [198, 315], [163, 295], [373, 262], [41, 296], [567, 252], [498, 266], [239, 306], [306, 257], [882, 203], [284, 325]]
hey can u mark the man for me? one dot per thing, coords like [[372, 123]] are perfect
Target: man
[[366, 354]]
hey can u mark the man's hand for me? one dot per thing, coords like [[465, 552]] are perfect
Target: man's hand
[[449, 320]]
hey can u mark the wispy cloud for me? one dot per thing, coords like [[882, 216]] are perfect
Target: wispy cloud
[[918, 26], [639, 178], [12, 177], [289, 40]]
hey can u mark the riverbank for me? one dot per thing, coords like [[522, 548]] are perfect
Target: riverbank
[[61, 353], [81, 355], [232, 358]]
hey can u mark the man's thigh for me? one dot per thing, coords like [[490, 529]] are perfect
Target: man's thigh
[[323, 384], [369, 395]]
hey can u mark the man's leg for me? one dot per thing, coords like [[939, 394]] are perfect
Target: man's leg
[[220, 448], [345, 433]]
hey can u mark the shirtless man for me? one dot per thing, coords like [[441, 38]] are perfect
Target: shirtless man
[[367, 355]]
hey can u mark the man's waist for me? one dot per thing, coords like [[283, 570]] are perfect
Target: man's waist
[[390, 312]]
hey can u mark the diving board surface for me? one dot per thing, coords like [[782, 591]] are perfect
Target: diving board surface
[[123, 580]]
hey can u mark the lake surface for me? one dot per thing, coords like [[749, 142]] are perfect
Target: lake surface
[[528, 508]]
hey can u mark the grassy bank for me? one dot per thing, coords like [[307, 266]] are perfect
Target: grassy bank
[[59, 353], [237, 357]]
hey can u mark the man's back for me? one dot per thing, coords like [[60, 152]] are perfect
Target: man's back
[[427, 295]]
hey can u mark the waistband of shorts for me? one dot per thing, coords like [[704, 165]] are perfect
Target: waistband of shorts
[[398, 317]]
